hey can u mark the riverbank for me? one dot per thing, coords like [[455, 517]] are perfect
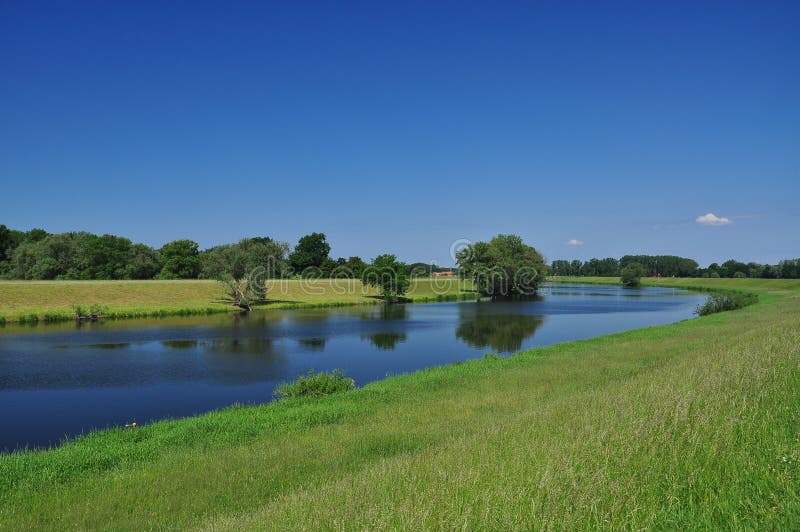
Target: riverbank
[[43, 301], [696, 283], [688, 425]]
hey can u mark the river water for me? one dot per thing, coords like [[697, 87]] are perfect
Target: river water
[[58, 381]]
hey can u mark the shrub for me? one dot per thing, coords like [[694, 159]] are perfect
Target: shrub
[[727, 301], [28, 318], [91, 310], [739, 275], [316, 384], [631, 275], [389, 275]]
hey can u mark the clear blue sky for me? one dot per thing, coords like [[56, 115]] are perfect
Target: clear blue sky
[[402, 127]]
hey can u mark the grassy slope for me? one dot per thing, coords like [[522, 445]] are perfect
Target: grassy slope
[[691, 424], [21, 299]]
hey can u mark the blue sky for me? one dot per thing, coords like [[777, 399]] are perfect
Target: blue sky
[[404, 127]]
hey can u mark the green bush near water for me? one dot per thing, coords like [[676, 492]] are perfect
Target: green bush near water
[[316, 384], [720, 302], [631, 275]]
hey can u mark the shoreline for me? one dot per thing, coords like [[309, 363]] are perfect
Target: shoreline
[[115, 296], [42, 312]]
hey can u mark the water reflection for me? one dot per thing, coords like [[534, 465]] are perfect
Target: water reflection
[[386, 340], [180, 344], [240, 346], [482, 326], [119, 345], [312, 344], [382, 312]]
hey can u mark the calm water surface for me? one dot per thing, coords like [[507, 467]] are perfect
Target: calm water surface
[[59, 381]]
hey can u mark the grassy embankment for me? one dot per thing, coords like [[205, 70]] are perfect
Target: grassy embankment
[[690, 425], [31, 301]]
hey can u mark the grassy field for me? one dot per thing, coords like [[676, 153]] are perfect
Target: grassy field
[[26, 301], [690, 425]]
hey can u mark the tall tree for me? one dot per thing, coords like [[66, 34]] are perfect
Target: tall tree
[[142, 263], [560, 267], [107, 256], [631, 274], [180, 260], [503, 266], [310, 252], [6, 243], [389, 275]]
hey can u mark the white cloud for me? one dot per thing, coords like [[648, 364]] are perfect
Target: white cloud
[[713, 219], [574, 242]]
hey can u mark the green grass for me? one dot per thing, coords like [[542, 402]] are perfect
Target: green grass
[[690, 425], [38, 301]]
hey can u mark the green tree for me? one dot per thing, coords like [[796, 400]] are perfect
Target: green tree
[[35, 235], [631, 275], [246, 290], [789, 268], [106, 257], [608, 267], [663, 265], [59, 256], [143, 263], [419, 269], [310, 252], [356, 266], [326, 269], [770, 272], [731, 267], [218, 261], [180, 260], [389, 275], [503, 266], [560, 267], [7, 243], [265, 254], [244, 267]]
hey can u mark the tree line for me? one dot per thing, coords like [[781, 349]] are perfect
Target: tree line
[[39, 255], [674, 266]]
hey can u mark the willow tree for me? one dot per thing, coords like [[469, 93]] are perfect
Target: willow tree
[[389, 276], [503, 266]]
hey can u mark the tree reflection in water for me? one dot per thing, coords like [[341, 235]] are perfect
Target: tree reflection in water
[[313, 344], [384, 312], [482, 326], [386, 340]]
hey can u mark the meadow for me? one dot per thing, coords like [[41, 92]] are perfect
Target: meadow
[[33, 301], [690, 425]]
